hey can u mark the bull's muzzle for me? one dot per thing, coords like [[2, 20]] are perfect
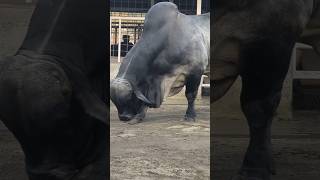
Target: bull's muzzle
[[125, 117]]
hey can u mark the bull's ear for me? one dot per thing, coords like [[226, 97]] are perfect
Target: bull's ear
[[143, 98]]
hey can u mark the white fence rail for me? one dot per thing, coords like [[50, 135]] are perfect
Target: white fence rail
[[300, 74]]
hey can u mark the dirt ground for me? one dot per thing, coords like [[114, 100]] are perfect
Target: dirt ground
[[162, 147]]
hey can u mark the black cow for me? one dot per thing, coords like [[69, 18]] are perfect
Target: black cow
[[53, 91], [254, 39], [173, 52]]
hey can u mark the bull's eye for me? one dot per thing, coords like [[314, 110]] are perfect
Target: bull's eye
[[127, 84]]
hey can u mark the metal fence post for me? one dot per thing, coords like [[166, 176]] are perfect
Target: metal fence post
[[119, 42], [110, 36], [199, 6]]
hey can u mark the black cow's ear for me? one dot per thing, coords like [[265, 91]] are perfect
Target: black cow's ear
[[143, 98]]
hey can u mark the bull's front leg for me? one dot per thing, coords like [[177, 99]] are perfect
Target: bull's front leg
[[259, 110], [260, 97], [192, 85], [139, 116]]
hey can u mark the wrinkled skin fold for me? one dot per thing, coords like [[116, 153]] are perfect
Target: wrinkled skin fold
[[53, 91], [254, 39], [173, 52]]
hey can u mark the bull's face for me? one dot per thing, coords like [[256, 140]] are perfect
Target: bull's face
[[128, 100]]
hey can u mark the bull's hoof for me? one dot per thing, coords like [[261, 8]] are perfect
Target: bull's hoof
[[189, 119], [134, 121]]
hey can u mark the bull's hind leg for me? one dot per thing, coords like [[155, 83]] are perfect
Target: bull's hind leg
[[264, 70], [192, 85]]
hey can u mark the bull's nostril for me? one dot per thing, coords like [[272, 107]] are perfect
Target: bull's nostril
[[125, 117]]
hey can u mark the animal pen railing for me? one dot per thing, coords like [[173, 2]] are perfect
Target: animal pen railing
[[305, 54], [302, 74], [125, 32]]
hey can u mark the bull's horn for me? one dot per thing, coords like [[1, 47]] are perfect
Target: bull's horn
[[142, 97]]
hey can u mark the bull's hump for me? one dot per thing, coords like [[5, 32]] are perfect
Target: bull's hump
[[160, 14], [162, 6]]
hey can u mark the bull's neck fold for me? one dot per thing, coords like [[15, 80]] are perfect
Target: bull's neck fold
[[138, 62]]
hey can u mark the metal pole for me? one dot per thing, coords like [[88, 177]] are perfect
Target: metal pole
[[119, 42], [115, 35], [135, 35], [199, 6], [110, 37]]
